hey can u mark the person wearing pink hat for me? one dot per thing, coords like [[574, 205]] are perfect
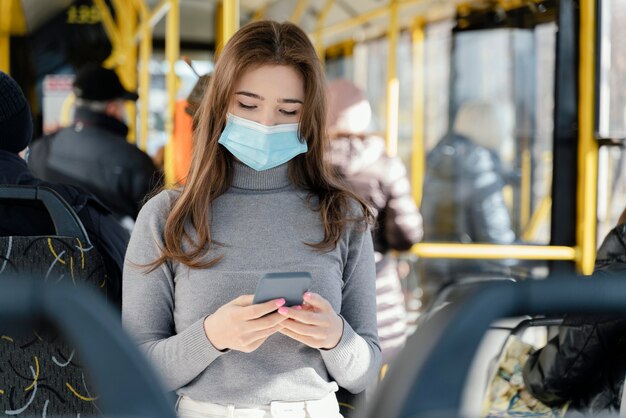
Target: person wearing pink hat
[[360, 159]]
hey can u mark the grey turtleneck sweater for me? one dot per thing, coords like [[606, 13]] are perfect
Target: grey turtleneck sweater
[[262, 223]]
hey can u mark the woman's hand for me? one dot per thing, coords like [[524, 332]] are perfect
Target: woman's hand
[[240, 325], [315, 324]]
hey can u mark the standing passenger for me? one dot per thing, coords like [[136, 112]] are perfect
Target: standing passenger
[[361, 160], [182, 141], [16, 129], [259, 198], [464, 191], [93, 152]]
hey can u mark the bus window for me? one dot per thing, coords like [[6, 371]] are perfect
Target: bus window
[[505, 105], [611, 116]]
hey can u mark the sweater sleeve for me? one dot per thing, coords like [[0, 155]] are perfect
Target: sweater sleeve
[[148, 304], [354, 363]]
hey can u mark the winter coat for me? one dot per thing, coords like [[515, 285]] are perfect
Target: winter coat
[[463, 202], [93, 154], [463, 199], [382, 181], [586, 362], [103, 230]]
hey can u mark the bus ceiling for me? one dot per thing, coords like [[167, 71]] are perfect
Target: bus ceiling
[[328, 22]]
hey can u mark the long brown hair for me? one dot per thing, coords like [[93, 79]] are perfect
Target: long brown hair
[[211, 172]]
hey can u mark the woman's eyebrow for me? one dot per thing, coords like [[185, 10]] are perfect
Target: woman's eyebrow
[[250, 94], [290, 101], [258, 97]]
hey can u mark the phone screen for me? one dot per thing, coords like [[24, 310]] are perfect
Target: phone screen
[[288, 285]]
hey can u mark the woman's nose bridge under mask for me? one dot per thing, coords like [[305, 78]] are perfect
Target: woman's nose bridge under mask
[[259, 146]]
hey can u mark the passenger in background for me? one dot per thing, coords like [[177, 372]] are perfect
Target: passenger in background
[[93, 153], [16, 128], [463, 189], [259, 198], [360, 159], [183, 128], [585, 364]]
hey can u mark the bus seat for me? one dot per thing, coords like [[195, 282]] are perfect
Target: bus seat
[[39, 372]]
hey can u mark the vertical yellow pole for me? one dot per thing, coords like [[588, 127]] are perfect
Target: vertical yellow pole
[[5, 35], [259, 14], [219, 31], [418, 155], [226, 24], [172, 52], [126, 16], [231, 19], [130, 68], [587, 146], [145, 53], [525, 188], [392, 82], [298, 11], [112, 32], [319, 28]]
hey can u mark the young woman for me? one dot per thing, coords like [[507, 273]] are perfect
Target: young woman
[[259, 198]]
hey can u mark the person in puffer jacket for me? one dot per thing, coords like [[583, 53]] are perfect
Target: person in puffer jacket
[[361, 161], [586, 362], [466, 173]]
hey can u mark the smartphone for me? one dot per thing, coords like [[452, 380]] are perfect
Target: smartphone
[[288, 285]]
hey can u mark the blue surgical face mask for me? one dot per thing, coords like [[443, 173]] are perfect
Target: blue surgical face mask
[[259, 146]]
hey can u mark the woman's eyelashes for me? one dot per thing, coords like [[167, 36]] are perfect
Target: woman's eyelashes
[[245, 106], [253, 107]]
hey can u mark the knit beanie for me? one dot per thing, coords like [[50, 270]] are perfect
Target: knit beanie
[[349, 111], [16, 125]]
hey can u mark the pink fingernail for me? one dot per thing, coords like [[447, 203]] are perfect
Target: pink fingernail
[[279, 302], [298, 307], [307, 296], [283, 310]]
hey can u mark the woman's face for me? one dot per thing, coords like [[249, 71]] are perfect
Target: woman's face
[[270, 95]]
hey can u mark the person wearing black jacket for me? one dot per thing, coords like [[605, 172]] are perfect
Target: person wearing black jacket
[[93, 153], [103, 230], [586, 362], [463, 192]]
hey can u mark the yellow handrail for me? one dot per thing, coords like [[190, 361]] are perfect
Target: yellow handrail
[[5, 35], [393, 85], [364, 18], [418, 158], [525, 187], [587, 146], [145, 53], [494, 251], [66, 110], [154, 17], [112, 32], [126, 16], [259, 14], [231, 19], [541, 213], [123, 54], [298, 11], [172, 53], [319, 28]]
